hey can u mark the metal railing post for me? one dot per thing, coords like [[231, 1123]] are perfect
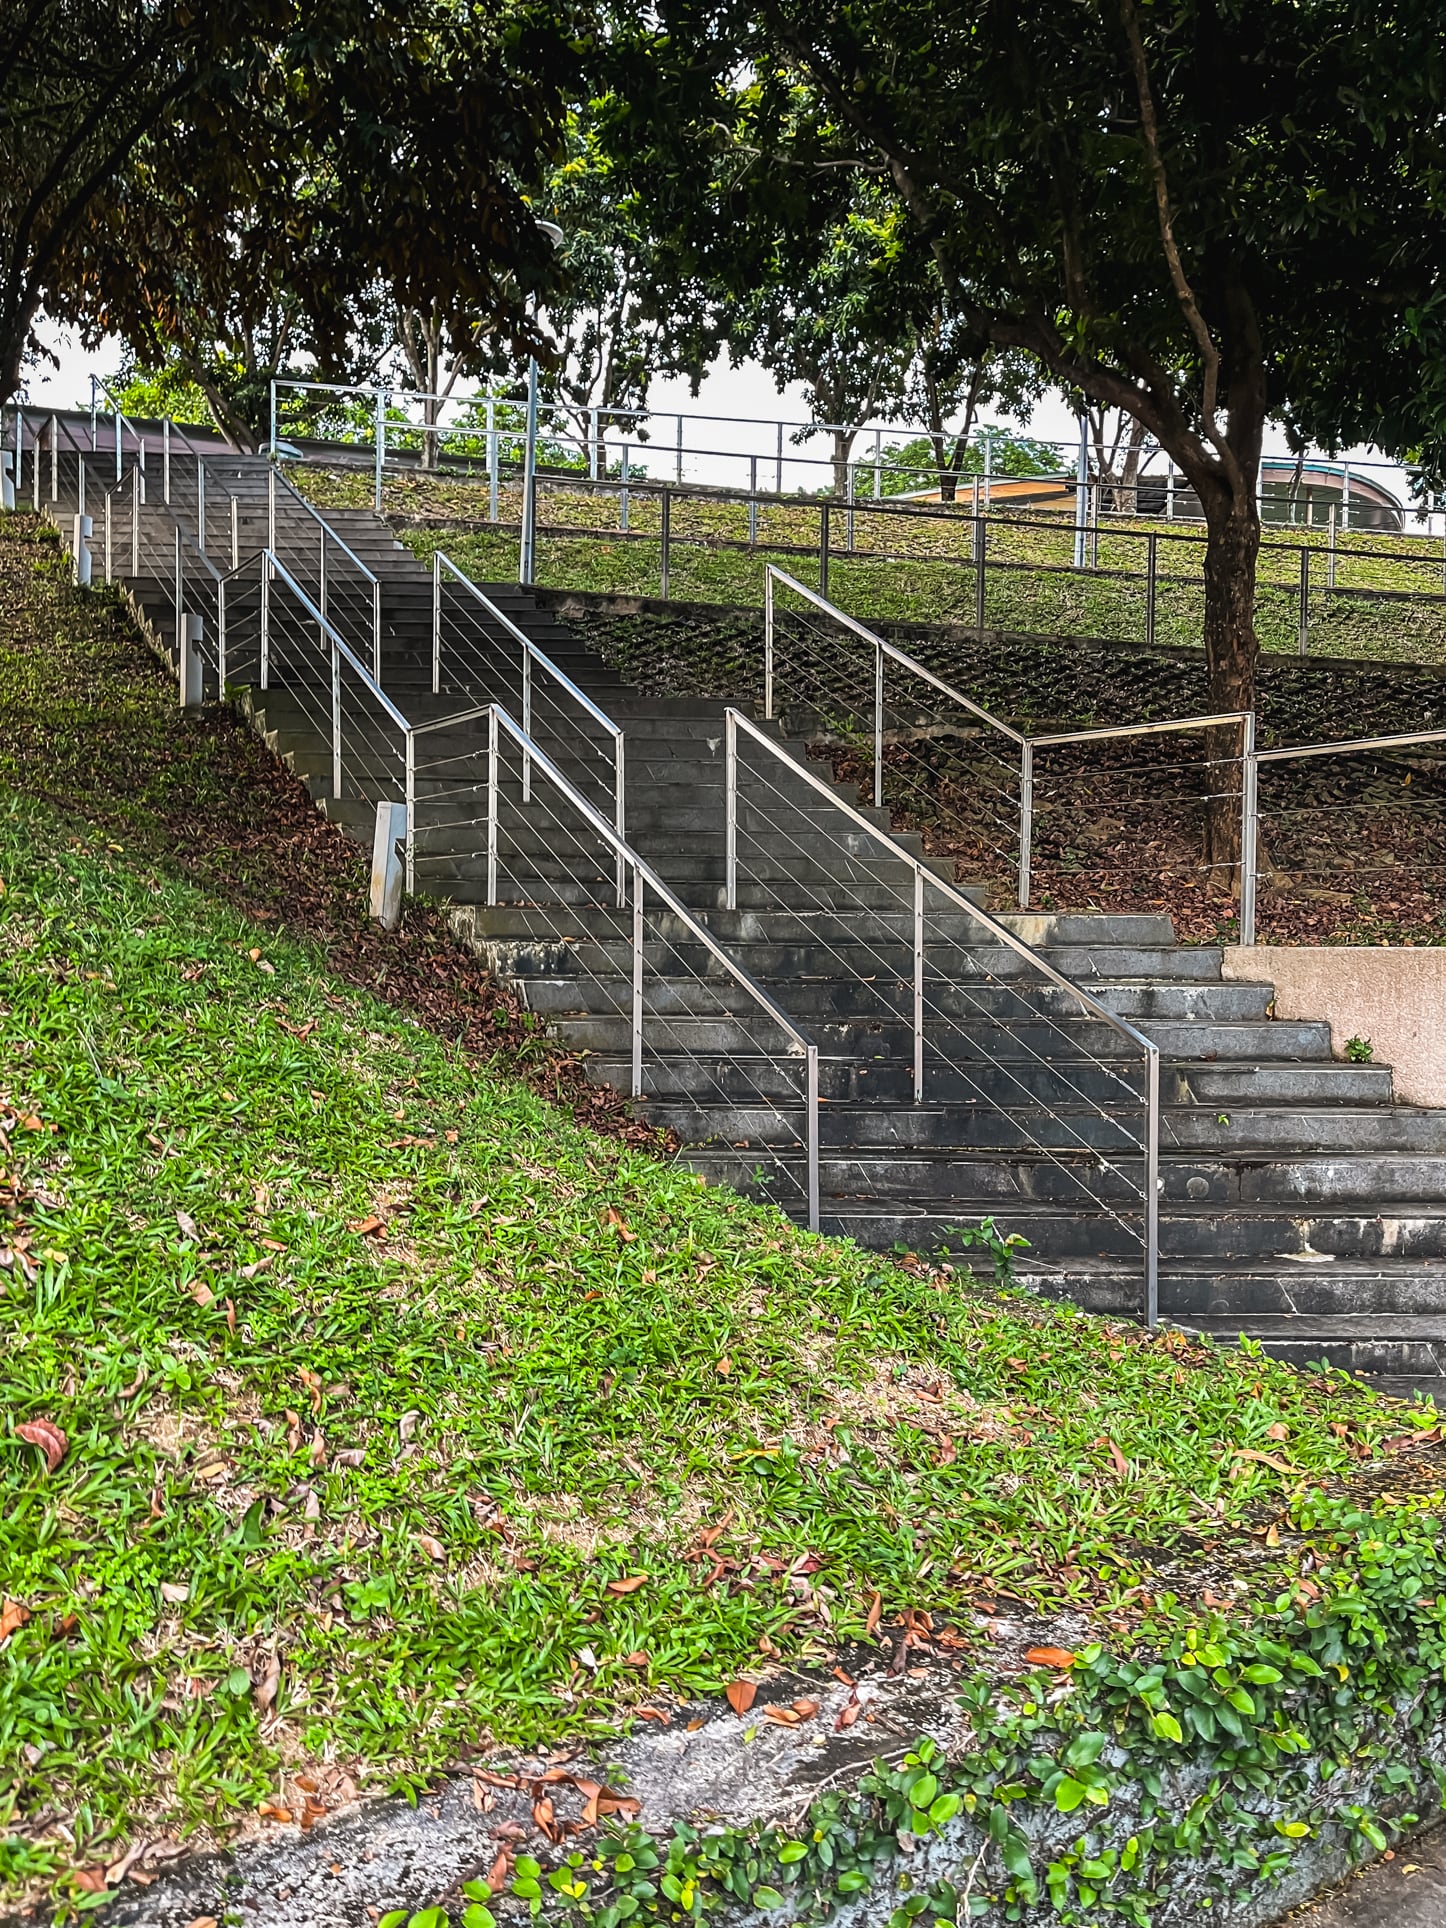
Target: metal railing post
[[1304, 636], [981, 543], [221, 640], [730, 812], [623, 494], [94, 443], [266, 622], [667, 538], [271, 510], [768, 643], [377, 628], [778, 489], [201, 506], [335, 718], [436, 621], [135, 522], [80, 483], [35, 473], [1026, 819], [491, 459], [108, 569], [235, 532], [527, 552], [620, 811], [119, 466], [166, 461], [381, 441], [918, 987], [411, 802], [1331, 552], [637, 981], [1152, 1187], [55, 458], [527, 723], [492, 794], [1151, 577], [273, 418], [823, 545], [180, 603], [321, 584], [680, 448], [878, 726], [811, 1128], [1249, 827], [594, 445]]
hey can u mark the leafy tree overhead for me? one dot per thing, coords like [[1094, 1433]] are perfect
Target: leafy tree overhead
[[308, 169], [1203, 212]]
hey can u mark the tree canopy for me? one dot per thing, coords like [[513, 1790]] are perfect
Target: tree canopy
[[234, 185], [1203, 212]]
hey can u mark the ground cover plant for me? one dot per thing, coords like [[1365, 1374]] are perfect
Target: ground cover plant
[[359, 1407], [916, 566]]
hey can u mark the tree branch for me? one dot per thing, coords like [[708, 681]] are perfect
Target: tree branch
[[1184, 293]]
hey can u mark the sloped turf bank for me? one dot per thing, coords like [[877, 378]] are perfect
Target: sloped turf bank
[[360, 1409]]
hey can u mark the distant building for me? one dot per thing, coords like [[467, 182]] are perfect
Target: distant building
[[1303, 497]]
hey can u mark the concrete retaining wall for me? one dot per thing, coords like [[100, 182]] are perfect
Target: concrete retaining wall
[[1394, 995]]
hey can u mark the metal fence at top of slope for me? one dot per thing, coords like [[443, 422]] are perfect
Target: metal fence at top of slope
[[1068, 566]]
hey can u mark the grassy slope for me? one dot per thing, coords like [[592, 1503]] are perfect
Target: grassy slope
[[354, 1494], [929, 577]]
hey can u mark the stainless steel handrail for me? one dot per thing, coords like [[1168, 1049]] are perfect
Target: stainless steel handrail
[[643, 872], [926, 878]]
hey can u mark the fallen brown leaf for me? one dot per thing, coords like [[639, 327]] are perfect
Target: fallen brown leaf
[[265, 1690], [1120, 1463], [433, 1549], [875, 1614], [12, 1616], [202, 1293], [367, 1227], [1265, 1459], [1059, 1657], [619, 1224], [630, 1585], [47, 1437], [741, 1696], [848, 1714]]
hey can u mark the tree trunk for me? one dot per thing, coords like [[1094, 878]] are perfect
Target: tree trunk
[[1231, 648]]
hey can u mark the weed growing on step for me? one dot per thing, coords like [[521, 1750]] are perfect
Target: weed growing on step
[[359, 1405]]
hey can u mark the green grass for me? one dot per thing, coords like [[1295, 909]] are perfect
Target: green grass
[[1031, 586], [377, 1373]]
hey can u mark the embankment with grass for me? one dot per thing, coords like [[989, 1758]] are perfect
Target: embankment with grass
[[365, 1411]]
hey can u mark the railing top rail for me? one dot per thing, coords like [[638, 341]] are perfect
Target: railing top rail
[[1143, 729], [998, 931], [1346, 744], [621, 848], [891, 650], [441, 561]]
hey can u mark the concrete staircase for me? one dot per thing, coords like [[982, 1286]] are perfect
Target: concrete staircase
[[1299, 1204]]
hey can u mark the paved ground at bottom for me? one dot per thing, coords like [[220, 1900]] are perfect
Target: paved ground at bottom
[[1409, 1891]]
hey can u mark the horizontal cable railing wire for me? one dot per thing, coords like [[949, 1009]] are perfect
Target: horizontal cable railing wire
[[982, 1018], [663, 1009], [1355, 825], [477, 647], [919, 747]]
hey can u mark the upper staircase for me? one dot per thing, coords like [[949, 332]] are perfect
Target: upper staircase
[[1299, 1203]]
